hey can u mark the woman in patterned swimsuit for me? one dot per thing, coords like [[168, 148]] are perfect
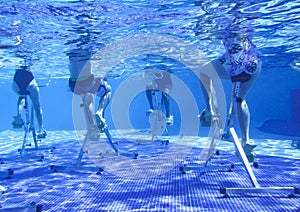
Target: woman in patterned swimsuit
[[241, 64]]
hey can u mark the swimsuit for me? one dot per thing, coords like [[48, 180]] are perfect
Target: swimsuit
[[241, 58], [23, 79], [89, 85]]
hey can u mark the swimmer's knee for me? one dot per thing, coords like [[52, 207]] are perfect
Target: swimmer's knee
[[165, 94]]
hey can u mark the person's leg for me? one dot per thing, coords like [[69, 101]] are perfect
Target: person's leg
[[243, 114], [206, 88], [16, 89], [165, 98], [230, 115], [104, 94], [165, 85], [88, 103], [149, 94], [20, 105], [103, 102], [149, 98], [18, 121], [242, 109], [166, 102], [88, 108], [35, 99], [211, 71]]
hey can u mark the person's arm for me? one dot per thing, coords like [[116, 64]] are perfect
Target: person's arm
[[19, 41]]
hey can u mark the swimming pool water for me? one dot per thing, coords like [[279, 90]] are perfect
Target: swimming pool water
[[49, 29]]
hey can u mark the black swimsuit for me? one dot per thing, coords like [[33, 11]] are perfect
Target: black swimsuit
[[23, 79]]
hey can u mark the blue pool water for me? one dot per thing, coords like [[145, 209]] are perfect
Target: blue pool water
[[50, 29]]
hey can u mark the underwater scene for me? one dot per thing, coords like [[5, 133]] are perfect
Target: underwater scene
[[149, 105]]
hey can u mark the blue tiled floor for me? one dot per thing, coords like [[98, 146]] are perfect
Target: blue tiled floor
[[197, 190]]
